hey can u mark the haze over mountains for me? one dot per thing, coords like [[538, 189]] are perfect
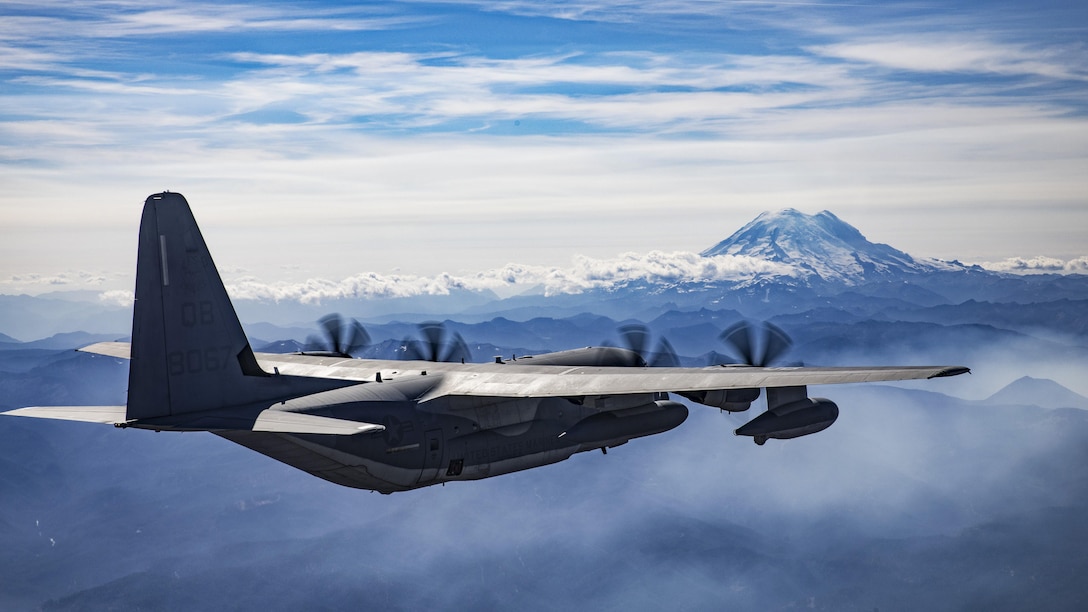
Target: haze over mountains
[[965, 493], [782, 262]]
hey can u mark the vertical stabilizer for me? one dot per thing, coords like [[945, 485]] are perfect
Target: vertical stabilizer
[[189, 352]]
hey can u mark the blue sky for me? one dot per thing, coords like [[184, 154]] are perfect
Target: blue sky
[[318, 141]]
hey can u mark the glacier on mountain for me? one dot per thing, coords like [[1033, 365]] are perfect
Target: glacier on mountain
[[823, 247]]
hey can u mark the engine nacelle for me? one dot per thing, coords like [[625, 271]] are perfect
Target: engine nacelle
[[588, 356], [733, 400], [793, 420]]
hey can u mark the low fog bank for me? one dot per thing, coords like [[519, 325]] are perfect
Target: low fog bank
[[920, 496]]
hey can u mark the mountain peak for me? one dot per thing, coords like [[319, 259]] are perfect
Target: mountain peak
[[1041, 392], [820, 245]]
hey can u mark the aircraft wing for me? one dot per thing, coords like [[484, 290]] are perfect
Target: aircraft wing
[[505, 380], [571, 382]]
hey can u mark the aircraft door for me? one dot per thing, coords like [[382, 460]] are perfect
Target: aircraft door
[[434, 451]]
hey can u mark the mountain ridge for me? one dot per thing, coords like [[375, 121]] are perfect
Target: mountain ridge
[[807, 262], [1042, 392], [824, 246]]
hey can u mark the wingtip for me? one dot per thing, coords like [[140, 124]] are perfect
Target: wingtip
[[952, 371], [110, 415]]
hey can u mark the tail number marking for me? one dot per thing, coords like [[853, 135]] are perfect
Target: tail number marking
[[196, 361], [197, 313]]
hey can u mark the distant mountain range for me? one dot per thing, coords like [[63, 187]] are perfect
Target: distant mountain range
[[819, 261], [812, 262]]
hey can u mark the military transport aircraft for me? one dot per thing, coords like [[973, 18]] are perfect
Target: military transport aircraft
[[398, 425]]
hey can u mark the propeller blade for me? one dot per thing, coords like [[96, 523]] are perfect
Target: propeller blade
[[756, 346], [331, 324], [358, 339], [635, 337], [456, 349], [432, 333], [775, 345], [664, 356], [740, 337], [340, 338], [436, 343]]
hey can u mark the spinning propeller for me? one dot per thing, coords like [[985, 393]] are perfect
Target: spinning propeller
[[342, 337], [436, 343], [636, 338], [760, 346]]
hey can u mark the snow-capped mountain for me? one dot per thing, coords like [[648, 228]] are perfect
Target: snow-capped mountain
[[823, 246], [783, 262]]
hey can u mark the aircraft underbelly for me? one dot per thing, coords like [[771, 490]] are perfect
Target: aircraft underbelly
[[487, 453], [413, 455], [321, 461]]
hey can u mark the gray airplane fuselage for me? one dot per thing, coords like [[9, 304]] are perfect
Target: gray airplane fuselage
[[456, 440]]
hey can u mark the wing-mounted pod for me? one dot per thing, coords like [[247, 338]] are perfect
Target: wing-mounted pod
[[733, 400], [791, 413]]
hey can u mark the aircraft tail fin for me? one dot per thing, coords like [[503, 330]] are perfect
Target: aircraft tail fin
[[190, 365], [189, 352]]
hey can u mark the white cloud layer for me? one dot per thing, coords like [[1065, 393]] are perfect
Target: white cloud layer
[[586, 273], [1039, 265], [61, 281]]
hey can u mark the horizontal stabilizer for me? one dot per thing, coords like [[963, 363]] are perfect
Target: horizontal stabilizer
[[89, 414], [281, 421], [121, 350]]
